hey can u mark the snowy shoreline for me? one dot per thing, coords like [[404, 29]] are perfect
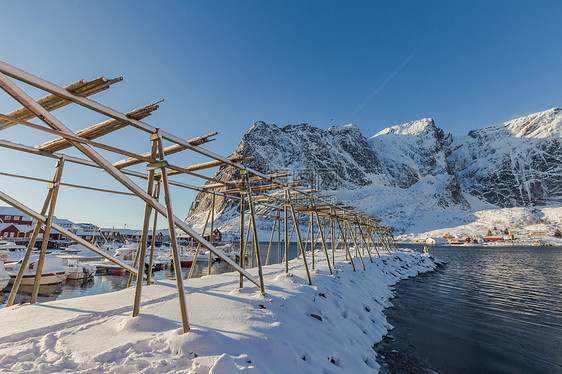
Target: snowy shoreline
[[330, 326]]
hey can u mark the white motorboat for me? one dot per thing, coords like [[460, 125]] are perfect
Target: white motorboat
[[79, 271], [125, 253], [53, 271], [230, 251]]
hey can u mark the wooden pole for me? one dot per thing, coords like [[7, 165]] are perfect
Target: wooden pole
[[357, 251], [192, 268], [333, 240], [69, 234], [278, 236], [40, 262], [344, 240], [32, 240], [384, 242], [313, 243], [152, 244], [211, 233], [247, 241], [141, 250], [242, 244], [375, 244], [296, 221], [324, 245], [270, 241], [365, 245], [291, 239], [255, 237], [173, 239], [308, 233], [285, 213]]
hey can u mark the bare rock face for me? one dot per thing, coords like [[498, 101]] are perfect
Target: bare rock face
[[515, 164], [331, 159], [518, 163]]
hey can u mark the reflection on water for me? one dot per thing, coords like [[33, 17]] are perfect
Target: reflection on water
[[489, 310], [102, 283]]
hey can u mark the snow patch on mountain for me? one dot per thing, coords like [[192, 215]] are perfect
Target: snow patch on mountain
[[415, 155], [414, 176], [518, 163]]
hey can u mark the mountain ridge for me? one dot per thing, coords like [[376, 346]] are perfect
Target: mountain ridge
[[415, 166]]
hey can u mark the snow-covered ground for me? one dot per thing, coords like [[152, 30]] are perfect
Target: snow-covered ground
[[527, 225], [329, 327]]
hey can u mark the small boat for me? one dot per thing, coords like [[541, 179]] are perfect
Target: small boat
[[125, 253], [79, 271], [230, 251], [53, 271]]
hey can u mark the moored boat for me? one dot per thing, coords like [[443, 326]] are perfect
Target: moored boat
[[79, 271], [53, 271]]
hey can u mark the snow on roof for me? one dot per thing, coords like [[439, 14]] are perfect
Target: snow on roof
[[123, 231], [62, 221], [85, 233], [5, 225], [10, 211], [25, 228]]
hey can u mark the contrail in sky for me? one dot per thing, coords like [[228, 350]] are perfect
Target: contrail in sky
[[380, 87]]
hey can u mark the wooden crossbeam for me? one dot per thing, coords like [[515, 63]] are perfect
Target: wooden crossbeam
[[210, 164], [51, 102], [175, 148], [267, 187], [240, 181], [100, 129]]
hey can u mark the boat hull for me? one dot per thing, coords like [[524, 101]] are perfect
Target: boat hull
[[47, 278]]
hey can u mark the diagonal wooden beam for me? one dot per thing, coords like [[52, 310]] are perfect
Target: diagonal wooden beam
[[210, 164], [167, 150], [100, 129], [51, 102], [240, 181], [18, 94]]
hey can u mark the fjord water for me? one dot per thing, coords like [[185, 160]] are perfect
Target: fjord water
[[488, 310]]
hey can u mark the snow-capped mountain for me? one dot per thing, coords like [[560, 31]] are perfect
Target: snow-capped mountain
[[518, 163], [406, 172], [332, 159], [417, 152]]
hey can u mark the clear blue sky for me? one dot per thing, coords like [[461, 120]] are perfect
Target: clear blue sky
[[222, 65]]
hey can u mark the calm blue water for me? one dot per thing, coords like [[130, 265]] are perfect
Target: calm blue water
[[489, 310]]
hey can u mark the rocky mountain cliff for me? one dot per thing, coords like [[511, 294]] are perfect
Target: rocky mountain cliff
[[332, 159], [518, 163], [418, 151], [413, 167]]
